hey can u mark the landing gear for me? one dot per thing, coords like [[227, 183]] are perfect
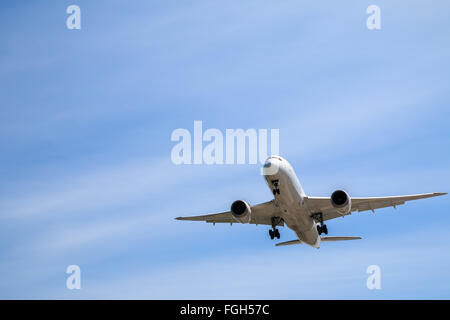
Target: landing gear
[[275, 184], [274, 233], [321, 228]]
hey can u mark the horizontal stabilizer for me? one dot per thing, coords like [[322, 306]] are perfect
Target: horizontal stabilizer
[[325, 239], [287, 243]]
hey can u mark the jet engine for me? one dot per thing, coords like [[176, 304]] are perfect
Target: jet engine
[[241, 211], [341, 201]]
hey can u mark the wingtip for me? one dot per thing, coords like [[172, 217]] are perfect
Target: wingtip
[[440, 193], [179, 218]]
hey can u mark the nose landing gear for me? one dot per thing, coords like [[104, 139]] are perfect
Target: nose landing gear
[[275, 184]]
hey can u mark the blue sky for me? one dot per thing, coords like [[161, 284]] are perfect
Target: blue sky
[[85, 123]]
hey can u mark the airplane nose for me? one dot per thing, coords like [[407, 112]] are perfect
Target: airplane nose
[[271, 167]]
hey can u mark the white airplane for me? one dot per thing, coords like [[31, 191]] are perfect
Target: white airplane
[[305, 215]]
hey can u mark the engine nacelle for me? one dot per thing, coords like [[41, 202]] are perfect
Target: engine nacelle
[[341, 201], [241, 211]]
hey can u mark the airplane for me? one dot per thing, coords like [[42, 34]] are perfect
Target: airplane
[[304, 214]]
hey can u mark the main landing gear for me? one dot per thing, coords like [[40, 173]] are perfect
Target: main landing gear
[[275, 233], [321, 228], [275, 184]]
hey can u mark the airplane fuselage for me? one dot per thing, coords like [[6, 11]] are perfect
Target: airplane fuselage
[[290, 199]]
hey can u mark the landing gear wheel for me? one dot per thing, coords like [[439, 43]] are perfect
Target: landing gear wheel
[[322, 229], [277, 233], [274, 233]]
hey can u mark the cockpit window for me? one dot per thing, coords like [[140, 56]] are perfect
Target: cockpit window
[[267, 165]]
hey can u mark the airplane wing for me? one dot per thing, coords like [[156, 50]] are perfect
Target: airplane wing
[[260, 214], [323, 204]]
